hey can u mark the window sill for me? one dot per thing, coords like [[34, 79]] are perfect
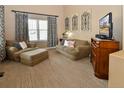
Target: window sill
[[38, 41]]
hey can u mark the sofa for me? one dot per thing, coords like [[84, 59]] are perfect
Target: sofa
[[13, 50], [80, 50], [31, 55]]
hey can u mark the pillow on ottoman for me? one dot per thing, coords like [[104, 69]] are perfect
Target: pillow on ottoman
[[23, 45]]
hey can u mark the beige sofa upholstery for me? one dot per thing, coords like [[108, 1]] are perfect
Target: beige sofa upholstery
[[81, 49], [13, 52], [29, 56], [33, 57]]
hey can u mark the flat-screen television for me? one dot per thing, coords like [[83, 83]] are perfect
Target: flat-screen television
[[106, 26]]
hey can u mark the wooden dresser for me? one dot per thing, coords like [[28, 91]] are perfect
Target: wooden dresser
[[100, 50]]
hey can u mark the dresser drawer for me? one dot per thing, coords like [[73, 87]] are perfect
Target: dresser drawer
[[93, 45]]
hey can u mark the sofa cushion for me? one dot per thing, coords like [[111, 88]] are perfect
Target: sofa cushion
[[61, 47], [71, 50], [17, 45], [81, 42], [17, 54]]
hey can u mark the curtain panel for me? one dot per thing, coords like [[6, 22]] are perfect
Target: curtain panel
[[52, 31], [2, 36], [21, 27]]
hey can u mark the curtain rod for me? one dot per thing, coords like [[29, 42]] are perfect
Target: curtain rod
[[34, 13]]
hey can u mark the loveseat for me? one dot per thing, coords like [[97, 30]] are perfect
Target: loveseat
[[80, 50]]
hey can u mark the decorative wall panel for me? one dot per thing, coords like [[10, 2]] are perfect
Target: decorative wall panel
[[85, 21], [67, 24], [2, 37], [75, 23]]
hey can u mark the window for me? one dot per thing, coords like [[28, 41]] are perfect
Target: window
[[37, 29]]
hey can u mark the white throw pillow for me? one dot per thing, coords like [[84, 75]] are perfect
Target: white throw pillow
[[66, 43], [23, 45]]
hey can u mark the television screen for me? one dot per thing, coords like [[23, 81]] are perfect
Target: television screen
[[105, 25]]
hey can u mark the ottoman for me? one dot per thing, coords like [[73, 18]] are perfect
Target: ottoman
[[34, 57]]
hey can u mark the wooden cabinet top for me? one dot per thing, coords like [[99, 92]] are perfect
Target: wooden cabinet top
[[104, 43], [104, 40]]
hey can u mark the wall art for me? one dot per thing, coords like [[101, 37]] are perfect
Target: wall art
[[67, 24], [86, 21], [74, 23]]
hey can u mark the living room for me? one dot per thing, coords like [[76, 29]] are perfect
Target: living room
[[56, 69]]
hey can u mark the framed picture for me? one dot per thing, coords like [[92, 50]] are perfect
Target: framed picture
[[74, 23], [85, 21], [67, 24]]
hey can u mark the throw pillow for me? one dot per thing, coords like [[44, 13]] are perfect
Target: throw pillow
[[71, 43], [62, 42], [23, 45], [17, 45], [66, 43]]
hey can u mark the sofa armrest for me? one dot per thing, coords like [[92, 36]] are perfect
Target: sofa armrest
[[10, 51]]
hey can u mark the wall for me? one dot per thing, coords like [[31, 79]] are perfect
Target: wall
[[96, 12], [123, 27], [45, 9], [116, 70], [63, 11]]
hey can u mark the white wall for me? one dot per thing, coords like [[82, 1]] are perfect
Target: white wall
[[45, 9], [97, 12]]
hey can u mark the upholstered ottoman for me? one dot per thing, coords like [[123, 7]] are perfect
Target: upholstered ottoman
[[34, 57]]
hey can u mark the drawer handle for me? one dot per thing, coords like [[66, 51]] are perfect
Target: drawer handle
[[94, 46]]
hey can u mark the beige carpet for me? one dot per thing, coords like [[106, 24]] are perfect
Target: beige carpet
[[58, 71]]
